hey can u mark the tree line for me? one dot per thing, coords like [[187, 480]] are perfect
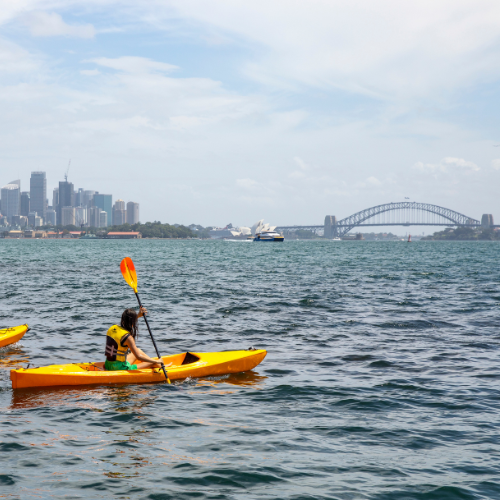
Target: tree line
[[465, 234], [148, 230]]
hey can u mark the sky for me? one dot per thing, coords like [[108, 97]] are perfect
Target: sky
[[220, 111]]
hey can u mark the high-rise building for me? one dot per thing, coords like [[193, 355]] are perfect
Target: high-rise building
[[132, 212], [78, 197], [119, 205], [105, 203], [51, 217], [25, 203], [38, 193], [66, 198], [32, 218], [55, 198], [119, 213], [11, 200], [103, 219], [87, 198], [94, 216], [68, 216], [80, 216]]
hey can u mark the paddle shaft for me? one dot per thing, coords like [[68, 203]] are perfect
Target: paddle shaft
[[153, 339]]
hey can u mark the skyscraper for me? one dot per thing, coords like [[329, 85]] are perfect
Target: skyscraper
[[25, 203], [66, 198], [94, 216], [80, 216], [68, 216], [103, 219], [132, 212], [55, 198], [11, 199], [51, 217], [38, 194], [119, 213], [105, 203], [86, 198]]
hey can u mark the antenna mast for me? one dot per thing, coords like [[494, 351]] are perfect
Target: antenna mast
[[67, 171]]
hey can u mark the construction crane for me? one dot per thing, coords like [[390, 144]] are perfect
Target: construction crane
[[67, 171]]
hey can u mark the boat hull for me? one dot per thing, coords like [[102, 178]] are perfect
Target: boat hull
[[12, 335], [183, 366], [277, 239]]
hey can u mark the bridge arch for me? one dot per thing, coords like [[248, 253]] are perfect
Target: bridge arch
[[411, 208]]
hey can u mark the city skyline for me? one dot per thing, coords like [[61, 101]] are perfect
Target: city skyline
[[69, 206]]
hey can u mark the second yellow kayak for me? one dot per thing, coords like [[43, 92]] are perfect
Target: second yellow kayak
[[184, 365], [12, 335]]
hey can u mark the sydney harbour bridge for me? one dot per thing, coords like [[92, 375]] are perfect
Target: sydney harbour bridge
[[404, 213]]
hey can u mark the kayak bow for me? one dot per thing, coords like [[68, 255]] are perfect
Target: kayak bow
[[184, 365], [12, 335]]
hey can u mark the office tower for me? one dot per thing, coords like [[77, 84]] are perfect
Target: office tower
[[119, 213], [66, 198], [94, 216], [132, 212], [38, 193], [80, 216], [32, 219], [105, 203], [55, 198], [87, 198], [51, 217], [11, 200], [68, 216], [79, 197], [103, 219], [25, 203]]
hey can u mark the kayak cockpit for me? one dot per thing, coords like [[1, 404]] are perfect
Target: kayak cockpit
[[180, 360]]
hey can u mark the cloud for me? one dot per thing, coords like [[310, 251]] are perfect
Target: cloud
[[373, 181], [238, 147], [496, 164], [90, 72], [301, 163], [248, 184], [388, 50], [52, 24], [131, 64], [448, 165], [16, 60]]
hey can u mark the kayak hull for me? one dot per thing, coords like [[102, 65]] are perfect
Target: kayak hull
[[184, 365], [12, 335]]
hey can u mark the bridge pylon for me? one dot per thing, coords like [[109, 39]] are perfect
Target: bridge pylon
[[330, 226]]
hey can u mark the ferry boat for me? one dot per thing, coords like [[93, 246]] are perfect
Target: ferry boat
[[269, 235]]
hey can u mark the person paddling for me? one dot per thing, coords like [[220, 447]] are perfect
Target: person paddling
[[121, 338]]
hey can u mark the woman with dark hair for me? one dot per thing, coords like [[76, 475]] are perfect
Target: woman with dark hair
[[120, 339]]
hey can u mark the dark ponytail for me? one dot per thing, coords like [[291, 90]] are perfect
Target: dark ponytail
[[129, 322]]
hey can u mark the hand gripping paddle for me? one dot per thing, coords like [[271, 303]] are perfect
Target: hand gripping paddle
[[128, 270]]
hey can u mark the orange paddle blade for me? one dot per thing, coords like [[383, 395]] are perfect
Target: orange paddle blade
[[128, 270]]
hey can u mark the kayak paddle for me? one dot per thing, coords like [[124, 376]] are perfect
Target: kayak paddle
[[128, 270]]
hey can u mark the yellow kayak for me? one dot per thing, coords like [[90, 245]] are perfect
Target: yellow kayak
[[12, 335], [184, 365]]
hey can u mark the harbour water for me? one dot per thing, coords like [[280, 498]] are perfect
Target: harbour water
[[382, 379]]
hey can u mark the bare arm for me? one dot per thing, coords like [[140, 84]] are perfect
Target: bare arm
[[130, 343]]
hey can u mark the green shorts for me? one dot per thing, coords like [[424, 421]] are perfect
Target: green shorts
[[119, 365]]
